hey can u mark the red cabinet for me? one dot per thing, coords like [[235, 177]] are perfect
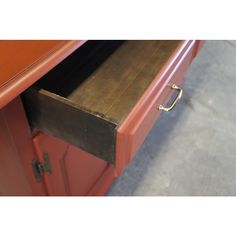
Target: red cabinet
[[36, 163]]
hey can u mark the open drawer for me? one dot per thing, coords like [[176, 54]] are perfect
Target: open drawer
[[106, 96]]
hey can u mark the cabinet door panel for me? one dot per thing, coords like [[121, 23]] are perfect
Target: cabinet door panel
[[73, 171]]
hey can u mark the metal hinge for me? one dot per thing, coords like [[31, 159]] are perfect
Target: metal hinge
[[41, 168]]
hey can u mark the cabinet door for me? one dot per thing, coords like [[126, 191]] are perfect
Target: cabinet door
[[73, 171]]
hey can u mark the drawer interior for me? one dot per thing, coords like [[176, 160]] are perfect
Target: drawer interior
[[103, 80], [108, 77]]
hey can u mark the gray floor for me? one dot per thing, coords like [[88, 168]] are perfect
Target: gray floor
[[192, 150]]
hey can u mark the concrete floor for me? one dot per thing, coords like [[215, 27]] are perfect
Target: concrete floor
[[192, 150]]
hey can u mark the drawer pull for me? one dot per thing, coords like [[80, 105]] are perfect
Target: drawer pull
[[180, 92]]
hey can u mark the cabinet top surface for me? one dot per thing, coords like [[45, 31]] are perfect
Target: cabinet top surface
[[22, 62], [16, 56]]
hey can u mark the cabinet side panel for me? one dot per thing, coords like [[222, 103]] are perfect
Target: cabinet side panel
[[16, 153]]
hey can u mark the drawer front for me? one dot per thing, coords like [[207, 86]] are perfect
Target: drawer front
[[136, 127]]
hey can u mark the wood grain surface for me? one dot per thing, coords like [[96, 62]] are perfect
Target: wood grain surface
[[113, 86]]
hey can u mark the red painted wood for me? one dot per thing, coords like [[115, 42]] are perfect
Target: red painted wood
[[27, 61], [16, 153], [74, 171], [131, 134]]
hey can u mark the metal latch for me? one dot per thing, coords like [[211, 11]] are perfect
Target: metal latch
[[41, 168]]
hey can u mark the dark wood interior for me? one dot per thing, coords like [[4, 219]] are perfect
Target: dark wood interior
[[108, 77], [68, 75]]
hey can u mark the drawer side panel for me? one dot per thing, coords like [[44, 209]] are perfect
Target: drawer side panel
[[53, 115]]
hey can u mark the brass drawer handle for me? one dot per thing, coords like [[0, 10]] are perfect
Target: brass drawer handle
[[180, 92]]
